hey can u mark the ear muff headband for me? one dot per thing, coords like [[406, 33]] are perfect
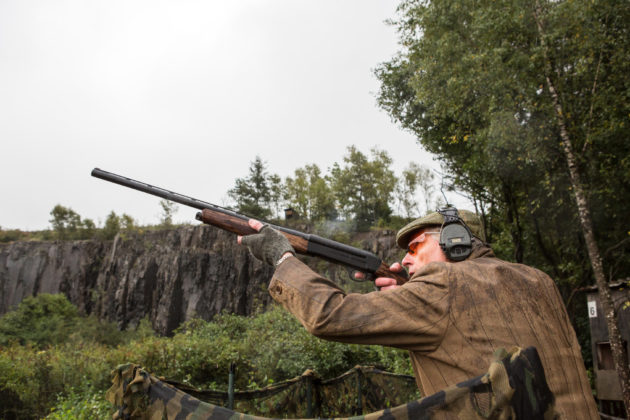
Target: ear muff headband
[[455, 236]]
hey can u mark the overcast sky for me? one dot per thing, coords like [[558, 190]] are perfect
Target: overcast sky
[[182, 95]]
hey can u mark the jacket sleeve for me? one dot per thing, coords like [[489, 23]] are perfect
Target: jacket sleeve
[[413, 316]]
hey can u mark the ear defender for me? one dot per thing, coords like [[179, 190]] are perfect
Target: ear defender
[[455, 237]]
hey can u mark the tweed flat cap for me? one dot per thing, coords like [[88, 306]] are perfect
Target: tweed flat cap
[[471, 219]]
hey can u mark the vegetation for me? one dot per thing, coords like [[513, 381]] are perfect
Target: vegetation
[[360, 192], [56, 362], [169, 208], [253, 193], [310, 194], [363, 187], [469, 82], [11, 235], [66, 224], [500, 91]]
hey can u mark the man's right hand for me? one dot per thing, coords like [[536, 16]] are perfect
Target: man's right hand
[[384, 283]]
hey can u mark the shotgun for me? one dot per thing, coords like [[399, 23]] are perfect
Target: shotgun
[[303, 243]]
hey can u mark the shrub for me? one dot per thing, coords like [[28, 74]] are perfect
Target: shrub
[[69, 369], [81, 404], [47, 319], [42, 320]]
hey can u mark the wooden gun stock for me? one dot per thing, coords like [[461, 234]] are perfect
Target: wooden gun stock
[[241, 227]]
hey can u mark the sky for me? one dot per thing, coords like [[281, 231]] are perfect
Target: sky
[[183, 95]]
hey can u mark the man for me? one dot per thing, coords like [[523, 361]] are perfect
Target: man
[[451, 316]]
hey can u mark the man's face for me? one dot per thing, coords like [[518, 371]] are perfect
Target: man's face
[[423, 248]]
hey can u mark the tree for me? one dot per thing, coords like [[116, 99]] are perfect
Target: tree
[[276, 194], [619, 353], [297, 192], [112, 226], [65, 221], [42, 320], [115, 224], [363, 187], [415, 177], [310, 194], [252, 194], [525, 102], [67, 224], [169, 208]]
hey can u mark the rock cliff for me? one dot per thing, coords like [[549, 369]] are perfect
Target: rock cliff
[[168, 276]]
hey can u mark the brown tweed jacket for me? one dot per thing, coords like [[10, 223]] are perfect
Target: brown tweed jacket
[[451, 317]]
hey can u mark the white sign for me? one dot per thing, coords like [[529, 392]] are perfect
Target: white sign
[[592, 309]]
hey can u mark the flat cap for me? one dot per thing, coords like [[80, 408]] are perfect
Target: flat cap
[[471, 219]]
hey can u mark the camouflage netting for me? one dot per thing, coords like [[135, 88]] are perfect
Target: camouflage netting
[[513, 388], [360, 390]]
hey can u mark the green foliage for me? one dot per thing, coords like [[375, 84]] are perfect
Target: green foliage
[[252, 194], [36, 378], [169, 208], [415, 177], [272, 346], [81, 404], [42, 320], [67, 224], [47, 319], [470, 83], [360, 190], [115, 224], [66, 378], [310, 194], [11, 235], [364, 187]]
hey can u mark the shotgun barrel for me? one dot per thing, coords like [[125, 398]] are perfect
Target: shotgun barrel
[[303, 243]]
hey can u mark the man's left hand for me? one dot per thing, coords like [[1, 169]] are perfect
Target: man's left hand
[[268, 245]]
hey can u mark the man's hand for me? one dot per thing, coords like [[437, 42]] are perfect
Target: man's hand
[[268, 245], [384, 283]]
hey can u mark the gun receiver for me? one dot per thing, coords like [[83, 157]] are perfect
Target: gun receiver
[[303, 243]]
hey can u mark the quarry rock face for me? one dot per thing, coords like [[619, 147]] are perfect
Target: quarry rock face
[[30, 268], [168, 276]]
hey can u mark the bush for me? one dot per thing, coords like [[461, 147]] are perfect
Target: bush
[[272, 346], [69, 367], [81, 405], [42, 320], [47, 319]]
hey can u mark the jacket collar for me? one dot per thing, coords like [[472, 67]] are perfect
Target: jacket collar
[[480, 250]]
